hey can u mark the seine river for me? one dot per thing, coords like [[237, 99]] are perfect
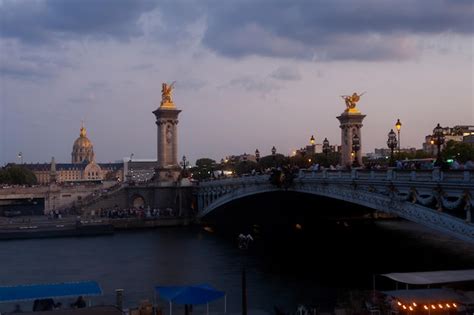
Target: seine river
[[312, 268]]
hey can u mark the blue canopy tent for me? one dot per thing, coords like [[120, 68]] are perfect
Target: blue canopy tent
[[194, 295], [42, 291]]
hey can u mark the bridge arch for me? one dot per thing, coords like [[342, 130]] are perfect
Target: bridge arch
[[138, 201], [381, 198]]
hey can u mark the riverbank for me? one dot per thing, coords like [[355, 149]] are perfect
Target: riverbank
[[40, 227]]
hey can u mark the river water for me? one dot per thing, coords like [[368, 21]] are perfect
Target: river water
[[301, 268]]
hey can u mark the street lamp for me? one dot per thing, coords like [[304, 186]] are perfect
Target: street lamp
[[274, 150], [257, 158], [326, 147], [312, 141], [392, 144], [20, 157], [355, 149], [398, 125], [130, 172], [244, 241], [184, 163], [439, 139]]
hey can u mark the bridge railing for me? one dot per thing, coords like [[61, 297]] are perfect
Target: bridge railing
[[253, 179], [436, 175]]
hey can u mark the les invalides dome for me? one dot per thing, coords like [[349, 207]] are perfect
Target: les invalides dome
[[83, 150]]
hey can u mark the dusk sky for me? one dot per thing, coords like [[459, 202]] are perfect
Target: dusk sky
[[250, 74]]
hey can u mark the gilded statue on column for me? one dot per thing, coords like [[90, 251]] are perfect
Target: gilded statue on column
[[166, 90], [351, 101]]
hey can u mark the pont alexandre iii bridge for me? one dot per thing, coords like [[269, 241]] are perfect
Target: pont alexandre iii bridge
[[441, 200]]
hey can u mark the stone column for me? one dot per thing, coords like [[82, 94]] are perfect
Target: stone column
[[159, 149], [350, 124], [175, 143], [167, 162]]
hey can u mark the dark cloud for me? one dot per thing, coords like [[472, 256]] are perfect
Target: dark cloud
[[331, 30], [311, 30], [49, 20]]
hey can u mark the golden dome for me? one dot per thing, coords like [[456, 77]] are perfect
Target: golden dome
[[82, 141], [82, 149]]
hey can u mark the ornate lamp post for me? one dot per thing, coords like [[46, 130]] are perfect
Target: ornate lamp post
[[184, 163], [392, 144], [355, 149], [326, 147], [130, 172], [244, 241], [432, 142], [274, 150], [439, 139], [398, 125], [257, 158]]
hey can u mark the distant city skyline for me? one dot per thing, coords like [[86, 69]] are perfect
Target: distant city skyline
[[250, 74]]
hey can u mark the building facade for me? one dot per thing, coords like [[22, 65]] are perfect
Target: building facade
[[458, 133], [82, 167]]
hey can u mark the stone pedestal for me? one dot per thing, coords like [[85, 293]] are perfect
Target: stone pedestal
[[168, 168], [351, 124]]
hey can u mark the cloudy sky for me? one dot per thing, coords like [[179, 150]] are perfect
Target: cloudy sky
[[250, 74]]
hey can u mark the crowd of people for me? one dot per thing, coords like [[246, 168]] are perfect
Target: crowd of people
[[141, 213]]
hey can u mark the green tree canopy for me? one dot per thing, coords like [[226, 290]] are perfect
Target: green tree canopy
[[203, 169], [460, 151], [17, 175]]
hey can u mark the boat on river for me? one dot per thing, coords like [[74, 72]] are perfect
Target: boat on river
[[79, 228]]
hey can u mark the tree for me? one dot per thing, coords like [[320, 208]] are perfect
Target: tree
[[203, 169], [245, 167], [17, 175], [270, 161], [460, 151]]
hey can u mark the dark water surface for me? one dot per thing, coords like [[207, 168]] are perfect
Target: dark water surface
[[311, 267]]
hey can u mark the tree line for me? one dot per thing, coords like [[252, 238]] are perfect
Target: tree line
[[17, 175]]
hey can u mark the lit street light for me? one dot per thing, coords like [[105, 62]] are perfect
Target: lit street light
[[398, 125], [392, 144], [244, 241]]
